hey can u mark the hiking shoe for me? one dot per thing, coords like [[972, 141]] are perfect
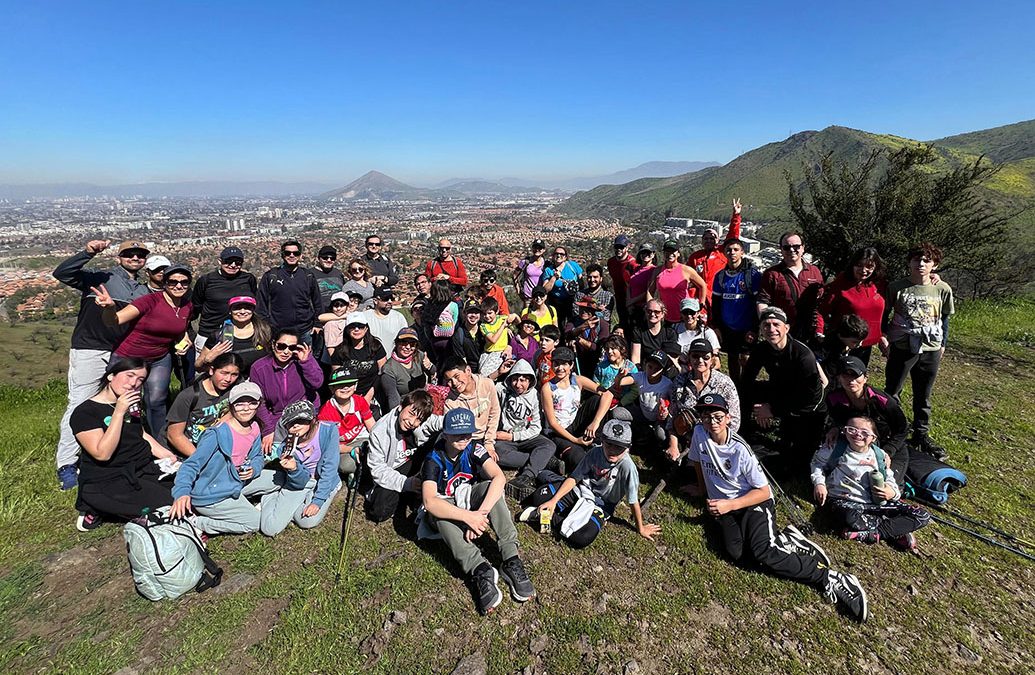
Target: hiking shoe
[[520, 487], [925, 444], [486, 590], [514, 575], [805, 546], [847, 590], [863, 536], [68, 476], [88, 521], [907, 542], [555, 464]]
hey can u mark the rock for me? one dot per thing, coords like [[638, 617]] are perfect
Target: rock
[[472, 664], [582, 645], [662, 550], [598, 569], [234, 583], [967, 654], [398, 617], [439, 632], [630, 667], [601, 605], [537, 645], [912, 589]]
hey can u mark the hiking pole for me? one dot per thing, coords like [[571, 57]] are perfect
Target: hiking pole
[[663, 483], [977, 522], [346, 523], [978, 535], [794, 511]]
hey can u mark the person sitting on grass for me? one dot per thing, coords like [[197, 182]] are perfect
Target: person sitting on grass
[[653, 392], [520, 443], [854, 476], [461, 507], [351, 413], [587, 498], [573, 420], [202, 404], [740, 499], [392, 458]]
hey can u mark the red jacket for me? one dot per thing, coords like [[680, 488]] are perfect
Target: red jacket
[[620, 271], [800, 300], [454, 267], [843, 296], [708, 263]]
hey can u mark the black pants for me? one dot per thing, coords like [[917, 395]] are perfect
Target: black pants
[[529, 455], [382, 503], [753, 530], [580, 538], [126, 495], [570, 453], [922, 368], [891, 520]]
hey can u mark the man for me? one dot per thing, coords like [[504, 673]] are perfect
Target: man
[[330, 280], [734, 307], [383, 272], [288, 295], [155, 269], [794, 286], [447, 266], [385, 323], [793, 395], [212, 293], [710, 258], [422, 284], [593, 289], [92, 338], [620, 267]]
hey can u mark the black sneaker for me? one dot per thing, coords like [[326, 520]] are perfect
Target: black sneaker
[[555, 464], [487, 594], [847, 590], [88, 521], [923, 443], [805, 546], [520, 487], [514, 575]]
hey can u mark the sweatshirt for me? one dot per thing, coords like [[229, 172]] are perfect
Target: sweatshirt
[[485, 405], [520, 413], [285, 384], [91, 331], [211, 295], [289, 299], [388, 449], [209, 475], [325, 471], [850, 479]]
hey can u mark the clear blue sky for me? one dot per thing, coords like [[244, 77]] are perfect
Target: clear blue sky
[[245, 90]]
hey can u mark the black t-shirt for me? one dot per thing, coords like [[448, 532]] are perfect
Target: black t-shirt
[[793, 377], [243, 347], [451, 474], [666, 340], [329, 283], [132, 455], [363, 361], [212, 294], [205, 411]]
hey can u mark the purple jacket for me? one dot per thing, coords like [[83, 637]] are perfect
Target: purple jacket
[[282, 385], [522, 353]]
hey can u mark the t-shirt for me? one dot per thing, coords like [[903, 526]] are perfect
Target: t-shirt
[[531, 274], [204, 413], [609, 482], [488, 328], [365, 292], [651, 394], [243, 443], [132, 452], [639, 282], [566, 402], [243, 347], [730, 470], [450, 474], [363, 361], [159, 327], [308, 453], [567, 283], [918, 309], [620, 271], [329, 283], [606, 372], [543, 366], [547, 318], [385, 327], [685, 336], [351, 424], [666, 340]]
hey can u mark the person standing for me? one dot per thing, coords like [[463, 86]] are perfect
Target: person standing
[[92, 339], [447, 267], [383, 272], [422, 284], [561, 278], [155, 270], [212, 293], [637, 289], [593, 289], [734, 308], [528, 273], [330, 280], [288, 295], [620, 267], [673, 282], [859, 290], [794, 286], [710, 259]]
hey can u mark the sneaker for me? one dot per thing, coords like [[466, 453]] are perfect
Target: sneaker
[[514, 575], [847, 590], [863, 536], [923, 443], [68, 476], [88, 521], [555, 464], [528, 514], [486, 589], [520, 487], [907, 542], [805, 546]]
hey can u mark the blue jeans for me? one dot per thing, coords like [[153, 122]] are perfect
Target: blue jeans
[[155, 394]]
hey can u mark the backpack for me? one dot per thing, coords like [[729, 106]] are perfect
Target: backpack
[[930, 480], [841, 448], [168, 558]]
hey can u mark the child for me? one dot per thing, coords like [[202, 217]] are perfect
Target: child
[[549, 338], [588, 497], [334, 322], [520, 443], [616, 360], [352, 415], [586, 333], [390, 455], [462, 508], [740, 499], [497, 338], [653, 393], [855, 477], [490, 289]]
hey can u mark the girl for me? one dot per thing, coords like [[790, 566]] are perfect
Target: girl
[[615, 361], [361, 352], [248, 336], [440, 318], [538, 310], [859, 289], [638, 283], [334, 321], [572, 422], [202, 405]]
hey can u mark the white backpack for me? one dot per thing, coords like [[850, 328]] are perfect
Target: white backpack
[[168, 558]]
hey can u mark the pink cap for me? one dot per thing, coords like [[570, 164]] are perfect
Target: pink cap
[[241, 300]]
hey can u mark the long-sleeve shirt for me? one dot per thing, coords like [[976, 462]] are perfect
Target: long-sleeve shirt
[[793, 377], [91, 331], [798, 296], [289, 299], [211, 295], [708, 263], [485, 405], [382, 266], [281, 385], [884, 410], [844, 296], [454, 267], [850, 478]]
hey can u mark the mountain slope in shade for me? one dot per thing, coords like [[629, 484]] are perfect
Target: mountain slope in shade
[[375, 185]]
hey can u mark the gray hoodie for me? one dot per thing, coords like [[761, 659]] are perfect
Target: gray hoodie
[[388, 449], [520, 414]]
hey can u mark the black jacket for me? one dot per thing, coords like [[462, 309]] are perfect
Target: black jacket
[[211, 294], [289, 299]]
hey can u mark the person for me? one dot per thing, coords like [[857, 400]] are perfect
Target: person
[[495, 332], [212, 294], [698, 380], [852, 478], [850, 334], [620, 267], [491, 289], [477, 393], [740, 498], [422, 284], [333, 322], [852, 395], [351, 413], [523, 343], [655, 335], [155, 270], [392, 456], [572, 419], [447, 267], [287, 374], [309, 456], [734, 310], [537, 309], [384, 321], [673, 282], [586, 334], [468, 343], [407, 369], [615, 361], [216, 481], [460, 507], [710, 259], [593, 289], [520, 443], [202, 404], [653, 392], [542, 364], [330, 280], [383, 272], [585, 500], [528, 273], [247, 335], [858, 290], [441, 319], [289, 296], [637, 287], [793, 395], [359, 282], [917, 331], [561, 278], [92, 339], [794, 286], [158, 321], [362, 353], [118, 476], [692, 327]]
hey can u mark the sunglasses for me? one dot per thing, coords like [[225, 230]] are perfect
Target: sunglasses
[[411, 344], [791, 247], [285, 347], [291, 254], [160, 270], [373, 243], [233, 263], [133, 255], [328, 257], [177, 283], [699, 357], [242, 308], [655, 311], [445, 248], [357, 326], [561, 254], [353, 270]]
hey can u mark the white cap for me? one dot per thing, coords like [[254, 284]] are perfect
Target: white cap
[[341, 295], [356, 317], [156, 261]]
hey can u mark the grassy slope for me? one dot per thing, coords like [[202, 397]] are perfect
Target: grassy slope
[[66, 600]]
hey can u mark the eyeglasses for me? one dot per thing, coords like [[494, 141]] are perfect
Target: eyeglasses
[[285, 347], [328, 257], [133, 255], [244, 405], [856, 432], [232, 263], [560, 254], [714, 418], [177, 283], [373, 243], [353, 270], [791, 247], [291, 254], [160, 270]]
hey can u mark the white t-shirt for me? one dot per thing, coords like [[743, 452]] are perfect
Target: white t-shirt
[[685, 337], [730, 470], [651, 394], [385, 328]]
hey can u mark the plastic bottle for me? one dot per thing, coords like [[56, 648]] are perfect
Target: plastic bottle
[[228, 331]]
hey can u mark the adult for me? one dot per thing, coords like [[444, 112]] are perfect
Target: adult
[[593, 289], [154, 268], [586, 333], [734, 308], [620, 267], [489, 288], [572, 417], [561, 278], [441, 319], [213, 290], [383, 272], [285, 375], [710, 259], [794, 286], [528, 273], [158, 322], [699, 380], [288, 295], [537, 309], [202, 404], [118, 477], [636, 291], [393, 456], [329, 277], [92, 338], [917, 329], [362, 353], [523, 343], [359, 282], [673, 282], [384, 321], [446, 266], [422, 284], [468, 342], [656, 335], [692, 327], [859, 289], [407, 369], [247, 335]]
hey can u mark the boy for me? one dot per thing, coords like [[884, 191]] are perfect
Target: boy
[[352, 415], [586, 334], [497, 338], [588, 497], [520, 443], [462, 508], [390, 455], [653, 392], [549, 338], [739, 498]]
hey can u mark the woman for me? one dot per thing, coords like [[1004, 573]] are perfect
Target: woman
[[692, 328], [118, 477], [698, 379], [359, 282], [638, 283], [538, 310], [523, 343], [202, 404], [287, 374], [673, 282], [858, 289], [561, 278], [159, 321], [334, 323], [440, 318], [362, 353], [529, 271], [468, 341], [246, 334], [407, 369], [572, 423]]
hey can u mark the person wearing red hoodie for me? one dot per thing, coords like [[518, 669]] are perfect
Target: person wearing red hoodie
[[710, 260], [858, 289]]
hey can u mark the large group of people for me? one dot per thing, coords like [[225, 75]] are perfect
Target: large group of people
[[292, 381]]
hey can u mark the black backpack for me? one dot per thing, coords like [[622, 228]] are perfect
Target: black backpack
[[930, 480]]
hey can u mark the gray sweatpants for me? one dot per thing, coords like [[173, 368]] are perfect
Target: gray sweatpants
[[236, 516], [529, 455], [85, 375], [465, 552], [281, 507]]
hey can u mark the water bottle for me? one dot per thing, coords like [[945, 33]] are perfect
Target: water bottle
[[228, 331], [877, 481]]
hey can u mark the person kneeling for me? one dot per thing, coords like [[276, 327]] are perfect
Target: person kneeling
[[461, 509], [740, 499]]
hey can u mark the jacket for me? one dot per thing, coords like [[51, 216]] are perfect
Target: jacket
[[798, 296], [382, 266], [843, 296], [710, 263], [209, 476], [289, 299], [520, 413], [282, 385], [326, 475], [91, 331], [884, 410], [388, 449]]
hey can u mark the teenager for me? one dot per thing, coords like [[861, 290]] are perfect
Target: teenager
[[537, 309], [202, 404], [362, 353], [490, 289], [572, 418], [392, 458], [477, 393], [520, 443], [734, 310], [247, 335]]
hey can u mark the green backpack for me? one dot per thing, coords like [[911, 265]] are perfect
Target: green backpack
[[168, 558]]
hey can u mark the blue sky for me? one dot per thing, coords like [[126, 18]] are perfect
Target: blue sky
[[233, 90]]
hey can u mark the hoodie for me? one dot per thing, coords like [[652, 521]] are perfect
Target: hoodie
[[388, 449], [520, 413]]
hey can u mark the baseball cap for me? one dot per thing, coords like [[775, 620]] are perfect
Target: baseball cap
[[344, 375], [298, 411], [538, 243], [659, 356], [622, 240], [671, 245], [406, 334], [231, 252], [712, 402], [539, 290], [647, 246], [700, 346], [617, 432], [245, 390], [458, 422], [384, 293], [472, 307], [241, 300], [714, 232], [327, 249], [340, 295], [767, 313], [530, 320], [563, 355], [353, 318], [156, 261], [178, 268], [133, 245], [689, 303], [851, 365]]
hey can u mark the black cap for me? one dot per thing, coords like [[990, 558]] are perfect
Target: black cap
[[384, 293], [658, 356], [344, 375], [231, 252], [700, 346], [539, 290], [327, 250], [563, 355], [472, 307], [851, 365], [178, 268], [712, 402], [538, 243]]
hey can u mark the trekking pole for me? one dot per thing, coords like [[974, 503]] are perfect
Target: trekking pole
[[795, 513], [981, 537], [977, 522], [346, 523], [663, 483]]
